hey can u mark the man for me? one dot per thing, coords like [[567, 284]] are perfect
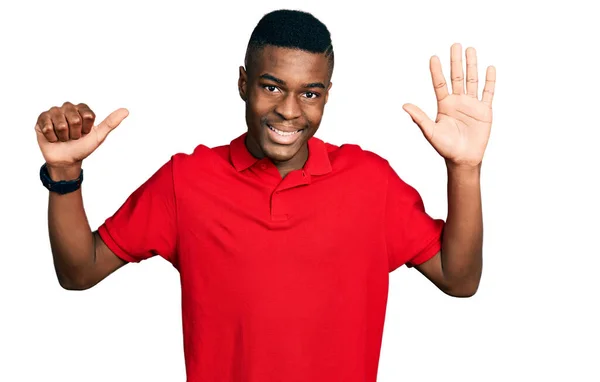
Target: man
[[284, 243]]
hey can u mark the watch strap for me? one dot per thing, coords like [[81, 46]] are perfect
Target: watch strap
[[61, 186]]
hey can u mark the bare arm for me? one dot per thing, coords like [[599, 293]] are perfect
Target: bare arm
[[456, 270], [66, 136], [81, 259], [459, 134]]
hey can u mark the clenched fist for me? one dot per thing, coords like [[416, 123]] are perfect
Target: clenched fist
[[67, 134]]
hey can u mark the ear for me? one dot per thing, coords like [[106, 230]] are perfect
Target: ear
[[327, 91], [243, 83]]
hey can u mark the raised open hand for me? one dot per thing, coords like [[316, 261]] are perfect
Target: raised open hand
[[462, 127]]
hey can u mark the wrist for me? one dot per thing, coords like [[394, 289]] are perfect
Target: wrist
[[464, 172], [67, 172], [463, 167]]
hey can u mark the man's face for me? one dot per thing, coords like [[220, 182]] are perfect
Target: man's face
[[285, 93]]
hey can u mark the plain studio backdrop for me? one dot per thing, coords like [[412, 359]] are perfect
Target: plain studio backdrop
[[174, 65]]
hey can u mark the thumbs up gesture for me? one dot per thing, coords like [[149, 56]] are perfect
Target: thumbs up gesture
[[67, 134]]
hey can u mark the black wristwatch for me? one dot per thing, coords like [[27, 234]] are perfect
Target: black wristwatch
[[61, 187]]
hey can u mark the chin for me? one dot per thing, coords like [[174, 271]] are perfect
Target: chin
[[279, 153]]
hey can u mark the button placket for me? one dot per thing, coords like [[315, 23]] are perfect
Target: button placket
[[277, 209], [293, 180]]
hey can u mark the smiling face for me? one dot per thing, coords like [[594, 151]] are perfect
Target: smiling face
[[285, 92]]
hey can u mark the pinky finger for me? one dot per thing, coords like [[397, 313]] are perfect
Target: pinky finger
[[46, 127], [490, 84]]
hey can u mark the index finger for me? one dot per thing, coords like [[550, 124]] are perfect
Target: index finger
[[44, 125], [437, 77], [87, 116]]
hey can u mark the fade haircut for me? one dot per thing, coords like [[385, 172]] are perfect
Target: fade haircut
[[290, 29]]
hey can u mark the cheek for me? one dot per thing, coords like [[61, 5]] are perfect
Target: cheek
[[260, 106], [314, 115]]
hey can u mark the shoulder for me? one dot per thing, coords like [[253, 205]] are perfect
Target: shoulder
[[353, 157], [368, 167], [201, 158]]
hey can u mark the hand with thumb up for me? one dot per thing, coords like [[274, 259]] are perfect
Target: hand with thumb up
[[67, 135]]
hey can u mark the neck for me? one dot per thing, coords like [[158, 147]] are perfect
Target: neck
[[284, 167], [294, 163]]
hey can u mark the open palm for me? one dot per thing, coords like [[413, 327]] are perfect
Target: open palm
[[462, 127]]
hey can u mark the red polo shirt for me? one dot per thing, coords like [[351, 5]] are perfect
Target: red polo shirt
[[282, 279]]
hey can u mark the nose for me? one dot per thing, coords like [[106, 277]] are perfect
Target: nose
[[288, 108]]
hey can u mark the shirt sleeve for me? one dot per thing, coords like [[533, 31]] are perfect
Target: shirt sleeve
[[146, 224], [412, 236]]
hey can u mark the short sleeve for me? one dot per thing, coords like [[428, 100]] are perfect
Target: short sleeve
[[146, 224], [412, 236]]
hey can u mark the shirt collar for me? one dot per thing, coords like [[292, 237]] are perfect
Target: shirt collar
[[318, 162]]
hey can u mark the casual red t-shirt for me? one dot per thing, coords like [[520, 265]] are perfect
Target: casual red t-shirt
[[282, 279]]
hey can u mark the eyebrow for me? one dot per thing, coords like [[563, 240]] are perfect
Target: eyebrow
[[270, 77]]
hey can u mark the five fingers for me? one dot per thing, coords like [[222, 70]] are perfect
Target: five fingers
[[66, 122], [457, 76]]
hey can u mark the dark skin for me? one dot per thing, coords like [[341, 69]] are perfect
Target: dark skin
[[276, 91], [286, 88], [67, 135]]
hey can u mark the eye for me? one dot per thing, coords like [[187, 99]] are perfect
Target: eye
[[270, 88], [311, 95]]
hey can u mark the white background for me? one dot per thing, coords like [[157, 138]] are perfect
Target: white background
[[174, 65]]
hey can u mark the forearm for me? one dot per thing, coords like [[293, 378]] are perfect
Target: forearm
[[71, 238], [462, 241]]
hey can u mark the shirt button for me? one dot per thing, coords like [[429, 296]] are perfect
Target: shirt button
[[263, 166]]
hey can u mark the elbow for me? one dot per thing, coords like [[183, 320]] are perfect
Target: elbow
[[68, 285], [462, 293], [463, 289], [76, 283]]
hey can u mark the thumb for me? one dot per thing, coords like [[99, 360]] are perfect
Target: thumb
[[113, 120], [421, 119]]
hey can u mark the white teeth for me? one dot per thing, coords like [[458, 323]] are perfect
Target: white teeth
[[283, 133]]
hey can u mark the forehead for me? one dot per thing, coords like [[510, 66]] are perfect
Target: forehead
[[292, 64]]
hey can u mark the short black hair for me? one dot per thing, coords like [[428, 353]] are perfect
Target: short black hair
[[293, 29]]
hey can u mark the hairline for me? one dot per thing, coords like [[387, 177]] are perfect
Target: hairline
[[255, 47]]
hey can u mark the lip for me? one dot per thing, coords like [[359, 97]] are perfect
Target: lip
[[284, 129], [283, 140]]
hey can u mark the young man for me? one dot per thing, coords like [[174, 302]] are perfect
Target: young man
[[284, 243]]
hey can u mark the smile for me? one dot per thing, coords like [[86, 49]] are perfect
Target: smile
[[284, 133]]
